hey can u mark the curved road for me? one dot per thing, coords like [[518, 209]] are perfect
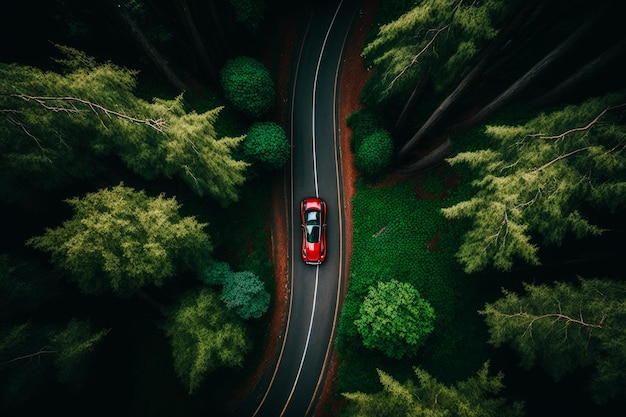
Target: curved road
[[294, 385]]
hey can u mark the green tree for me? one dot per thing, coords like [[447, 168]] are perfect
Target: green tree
[[248, 86], [35, 354], [441, 36], [426, 396], [266, 143], [121, 240], [533, 180], [205, 336], [375, 153], [565, 327], [395, 319], [243, 292], [56, 127]]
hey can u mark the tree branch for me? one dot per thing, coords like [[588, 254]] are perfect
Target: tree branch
[[156, 124]]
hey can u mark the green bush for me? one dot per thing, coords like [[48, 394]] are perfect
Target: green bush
[[362, 124], [395, 319], [248, 86], [375, 153], [266, 143]]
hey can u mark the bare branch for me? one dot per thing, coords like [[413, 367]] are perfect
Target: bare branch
[[416, 57], [156, 124], [43, 351]]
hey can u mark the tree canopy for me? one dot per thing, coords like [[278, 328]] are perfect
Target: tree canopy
[[204, 336], [564, 327], [534, 180], [426, 396], [121, 240], [395, 319], [56, 127]]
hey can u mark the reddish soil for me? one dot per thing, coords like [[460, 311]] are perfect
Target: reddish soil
[[354, 76]]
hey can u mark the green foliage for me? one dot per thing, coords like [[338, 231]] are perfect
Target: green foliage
[[438, 37], [363, 124], [394, 318], [121, 240], [250, 13], [72, 346], [204, 336], [565, 327], [398, 234], [34, 355], [245, 294], [266, 143], [248, 86], [426, 396], [533, 180], [57, 127], [375, 153]]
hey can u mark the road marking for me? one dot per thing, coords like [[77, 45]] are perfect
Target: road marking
[[317, 70], [279, 361], [306, 344]]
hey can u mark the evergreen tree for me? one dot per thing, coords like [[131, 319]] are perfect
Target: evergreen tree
[[565, 327], [121, 240], [426, 396], [204, 336], [56, 127], [436, 35], [33, 355], [534, 178]]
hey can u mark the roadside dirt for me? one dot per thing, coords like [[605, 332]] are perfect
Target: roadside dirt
[[354, 75]]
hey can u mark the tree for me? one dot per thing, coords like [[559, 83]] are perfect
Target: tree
[[122, 10], [395, 319], [121, 240], [242, 292], [375, 153], [266, 143], [56, 127], [534, 178], [245, 294], [436, 35], [565, 327], [426, 396], [204, 337], [248, 86], [32, 355]]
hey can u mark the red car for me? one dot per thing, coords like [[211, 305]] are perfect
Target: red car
[[313, 218]]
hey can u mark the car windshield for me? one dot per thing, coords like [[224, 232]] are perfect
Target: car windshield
[[312, 226]]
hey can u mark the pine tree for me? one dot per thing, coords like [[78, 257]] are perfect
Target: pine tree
[[534, 178]]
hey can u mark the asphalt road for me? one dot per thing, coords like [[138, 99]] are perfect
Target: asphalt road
[[294, 385]]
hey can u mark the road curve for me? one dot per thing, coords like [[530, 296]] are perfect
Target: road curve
[[294, 384]]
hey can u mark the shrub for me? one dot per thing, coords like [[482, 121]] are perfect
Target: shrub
[[248, 86], [395, 319], [375, 153], [266, 143]]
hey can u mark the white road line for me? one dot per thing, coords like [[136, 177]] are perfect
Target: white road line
[[317, 70], [306, 344]]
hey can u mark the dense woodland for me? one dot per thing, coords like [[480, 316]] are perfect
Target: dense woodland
[[486, 277]]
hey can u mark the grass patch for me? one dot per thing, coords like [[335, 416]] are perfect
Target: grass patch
[[400, 234]]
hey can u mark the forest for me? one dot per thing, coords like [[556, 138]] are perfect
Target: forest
[[486, 276]]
